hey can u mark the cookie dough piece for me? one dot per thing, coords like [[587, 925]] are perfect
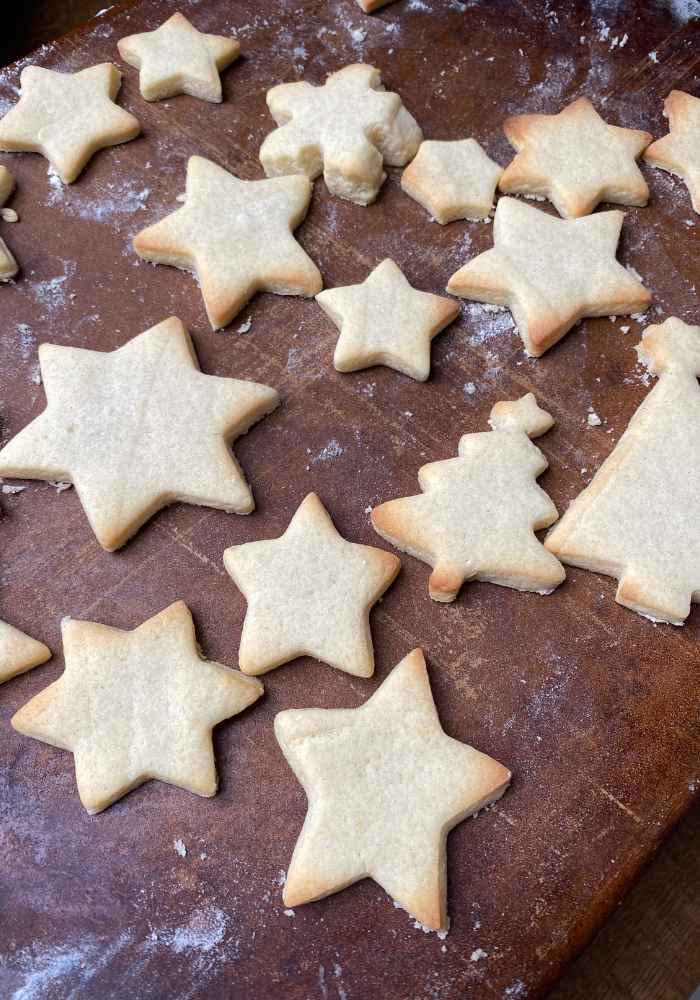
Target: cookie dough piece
[[385, 785], [8, 264], [346, 129], [19, 652], [67, 117], [137, 705], [452, 180], [679, 151]]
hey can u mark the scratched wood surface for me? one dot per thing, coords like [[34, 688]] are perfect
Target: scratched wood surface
[[594, 708]]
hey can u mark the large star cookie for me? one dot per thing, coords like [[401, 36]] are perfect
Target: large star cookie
[[385, 785], [679, 151], [8, 264], [236, 236], [178, 59], [385, 321], [19, 652], [452, 180], [138, 428], [309, 593], [575, 159], [67, 117], [137, 705], [551, 272], [346, 129]]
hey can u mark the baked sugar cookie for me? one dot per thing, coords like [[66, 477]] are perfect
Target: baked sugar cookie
[[385, 785], [369, 6], [19, 652], [679, 151], [452, 180], [137, 705], [8, 264]]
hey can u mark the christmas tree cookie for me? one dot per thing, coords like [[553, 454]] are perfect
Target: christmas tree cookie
[[476, 516], [639, 520]]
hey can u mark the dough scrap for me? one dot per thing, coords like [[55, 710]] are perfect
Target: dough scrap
[[679, 151], [19, 652], [8, 264], [452, 180]]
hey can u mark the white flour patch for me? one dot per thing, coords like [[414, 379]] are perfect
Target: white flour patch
[[52, 293], [119, 198], [332, 450], [685, 10], [516, 989], [44, 968], [486, 322], [27, 340]]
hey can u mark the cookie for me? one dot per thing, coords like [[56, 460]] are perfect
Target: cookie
[[309, 593], [551, 272], [385, 321], [369, 6], [639, 519], [136, 429], [679, 151], [385, 785], [8, 264], [477, 515], [19, 652], [452, 180], [346, 129], [137, 705], [575, 159], [67, 117], [236, 238]]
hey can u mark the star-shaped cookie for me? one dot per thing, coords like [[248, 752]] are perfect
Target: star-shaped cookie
[[8, 264], [385, 321], [19, 652], [237, 237], [138, 428], [679, 151], [137, 705], [452, 180], [178, 59], [67, 117], [309, 593], [369, 6], [575, 159], [551, 272], [385, 785]]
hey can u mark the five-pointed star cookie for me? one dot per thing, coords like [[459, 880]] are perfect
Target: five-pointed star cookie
[[551, 272], [67, 117], [138, 428], [237, 238], [137, 705], [575, 159], [679, 151], [452, 180], [385, 785], [385, 321], [309, 593], [8, 264], [19, 652], [178, 59]]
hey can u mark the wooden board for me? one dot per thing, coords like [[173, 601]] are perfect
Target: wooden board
[[594, 708]]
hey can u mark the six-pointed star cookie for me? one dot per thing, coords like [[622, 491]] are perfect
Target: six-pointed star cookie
[[237, 237], [137, 705], [575, 159], [385, 321], [67, 117], [19, 652], [8, 264], [679, 151], [452, 180], [385, 785], [309, 593], [551, 272], [138, 428], [178, 59]]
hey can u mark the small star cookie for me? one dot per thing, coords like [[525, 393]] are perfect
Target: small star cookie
[[385, 785], [178, 59], [369, 6], [385, 321], [67, 117], [345, 129], [8, 264], [551, 272], [236, 237], [19, 652], [452, 180], [136, 429], [679, 151], [309, 593], [132, 706], [575, 159]]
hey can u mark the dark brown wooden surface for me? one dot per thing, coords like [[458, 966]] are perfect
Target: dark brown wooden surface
[[595, 709]]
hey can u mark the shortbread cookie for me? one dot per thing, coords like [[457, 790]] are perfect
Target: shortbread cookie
[[67, 117], [385, 785], [309, 593], [639, 520], [138, 428], [679, 151], [452, 180], [477, 515], [385, 321], [575, 159], [369, 6], [178, 59], [137, 705], [8, 264], [237, 238], [345, 129], [551, 272], [19, 652]]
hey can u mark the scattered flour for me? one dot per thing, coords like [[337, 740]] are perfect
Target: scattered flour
[[469, 388], [332, 450], [593, 420], [180, 848], [203, 932], [478, 954], [245, 327]]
